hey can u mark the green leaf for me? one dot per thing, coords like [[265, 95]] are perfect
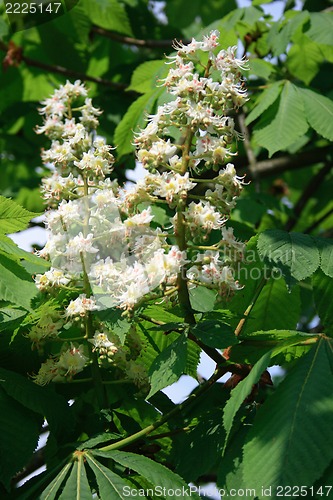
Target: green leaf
[[296, 254], [261, 68], [145, 77], [179, 14], [19, 432], [255, 345], [154, 472], [319, 112], [108, 14], [4, 28], [134, 118], [321, 30], [293, 429], [241, 391], [16, 285], [77, 485], [304, 59], [13, 218], [7, 245], [110, 485], [202, 299], [51, 490], [104, 437], [205, 442], [288, 124], [42, 400], [10, 318], [214, 333], [326, 255], [169, 365], [165, 315], [322, 294], [264, 101], [274, 308]]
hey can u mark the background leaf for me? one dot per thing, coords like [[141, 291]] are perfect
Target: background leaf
[[319, 112], [18, 425], [288, 124]]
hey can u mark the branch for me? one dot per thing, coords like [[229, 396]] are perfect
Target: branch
[[14, 56], [310, 189], [278, 165], [127, 40]]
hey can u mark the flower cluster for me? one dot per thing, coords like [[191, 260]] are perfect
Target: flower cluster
[[105, 247]]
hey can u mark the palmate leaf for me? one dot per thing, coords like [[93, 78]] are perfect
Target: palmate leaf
[[319, 112], [241, 391], [287, 125], [110, 485], [155, 473], [274, 308], [51, 490], [293, 429], [13, 218], [77, 485], [296, 254]]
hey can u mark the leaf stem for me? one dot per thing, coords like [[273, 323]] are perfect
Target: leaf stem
[[248, 310]]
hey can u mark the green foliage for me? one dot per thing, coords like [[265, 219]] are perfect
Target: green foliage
[[13, 218], [243, 433], [169, 365], [18, 425], [284, 442]]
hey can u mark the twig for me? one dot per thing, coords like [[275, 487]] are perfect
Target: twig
[[127, 40], [62, 70]]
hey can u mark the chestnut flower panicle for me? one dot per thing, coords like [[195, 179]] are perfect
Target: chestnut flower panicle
[[105, 245]]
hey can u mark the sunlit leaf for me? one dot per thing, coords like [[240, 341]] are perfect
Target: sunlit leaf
[[293, 430]]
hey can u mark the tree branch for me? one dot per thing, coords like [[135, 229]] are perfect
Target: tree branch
[[266, 168], [17, 57], [127, 40]]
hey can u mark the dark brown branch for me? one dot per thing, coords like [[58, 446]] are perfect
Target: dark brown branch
[[127, 40], [266, 168], [310, 189], [59, 69]]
